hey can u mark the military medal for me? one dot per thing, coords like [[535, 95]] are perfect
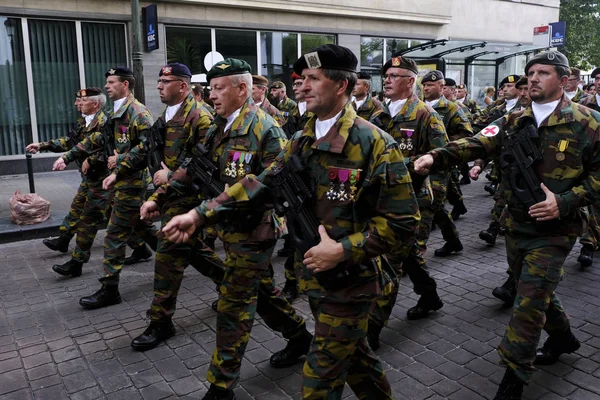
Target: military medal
[[343, 175], [331, 193], [241, 169], [354, 176], [402, 144], [562, 146], [123, 138], [409, 143], [248, 158], [230, 170]]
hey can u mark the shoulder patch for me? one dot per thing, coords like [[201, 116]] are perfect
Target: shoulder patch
[[490, 131]]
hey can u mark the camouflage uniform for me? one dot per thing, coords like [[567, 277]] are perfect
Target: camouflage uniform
[[187, 127], [286, 106], [129, 121], [380, 217], [579, 96], [368, 108], [474, 109], [269, 109], [250, 146], [421, 126], [536, 251]]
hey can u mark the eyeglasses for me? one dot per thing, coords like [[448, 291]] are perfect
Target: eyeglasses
[[297, 84], [394, 77], [573, 79], [166, 81]]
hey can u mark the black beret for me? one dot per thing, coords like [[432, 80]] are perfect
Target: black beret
[[401, 62], [363, 75], [549, 58], [522, 81], [595, 72], [119, 71], [510, 79], [227, 67], [89, 92], [327, 56], [461, 86], [449, 82], [175, 69], [433, 76], [260, 80]]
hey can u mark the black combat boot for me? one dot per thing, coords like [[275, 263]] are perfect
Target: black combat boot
[[108, 295], [70, 268], [217, 393], [139, 254], [489, 235], [373, 335], [511, 387], [556, 345], [156, 332], [458, 210], [490, 188], [60, 243], [428, 302], [449, 248], [290, 290], [297, 347], [586, 258], [507, 292], [465, 180]]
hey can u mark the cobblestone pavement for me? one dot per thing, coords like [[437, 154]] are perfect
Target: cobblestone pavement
[[50, 348]]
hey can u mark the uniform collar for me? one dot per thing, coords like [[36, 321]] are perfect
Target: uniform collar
[[335, 139], [122, 104], [562, 114]]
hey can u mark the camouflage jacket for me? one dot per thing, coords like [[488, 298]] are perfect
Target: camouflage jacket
[[379, 215], [491, 113], [187, 127], [61, 144], [455, 120], [286, 106], [296, 122], [590, 101], [368, 108], [129, 123], [569, 140], [208, 108], [417, 128], [472, 106], [270, 109], [580, 95]]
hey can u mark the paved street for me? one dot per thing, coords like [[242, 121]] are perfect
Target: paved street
[[50, 348]]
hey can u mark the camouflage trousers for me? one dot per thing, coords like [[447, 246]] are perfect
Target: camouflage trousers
[[339, 353], [123, 224], [247, 288], [171, 261], [537, 265], [499, 205], [441, 216], [592, 236], [69, 224], [454, 194]]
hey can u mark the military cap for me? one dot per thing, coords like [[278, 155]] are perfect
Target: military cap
[[295, 76], [401, 62], [363, 75], [119, 71], [522, 81], [89, 92], [327, 56], [461, 86], [549, 58], [260, 80], [228, 67], [595, 72], [510, 79], [277, 85], [175, 69], [449, 82], [433, 76]]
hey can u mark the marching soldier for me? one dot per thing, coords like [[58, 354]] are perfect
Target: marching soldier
[[259, 96], [364, 104], [462, 97], [572, 89], [543, 220], [281, 100], [198, 91]]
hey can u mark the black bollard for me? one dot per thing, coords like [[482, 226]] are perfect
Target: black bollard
[[30, 173]]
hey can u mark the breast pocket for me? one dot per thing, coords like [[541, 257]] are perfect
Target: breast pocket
[[563, 156]]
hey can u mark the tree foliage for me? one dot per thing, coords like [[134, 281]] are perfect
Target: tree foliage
[[583, 24]]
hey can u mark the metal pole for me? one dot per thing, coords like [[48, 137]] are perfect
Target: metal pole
[[30, 173], [136, 52]]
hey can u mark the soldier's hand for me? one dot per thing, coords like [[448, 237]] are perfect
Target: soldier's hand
[[59, 165], [547, 209], [474, 172], [112, 160], [33, 148], [85, 166], [423, 164], [182, 227], [326, 255], [149, 210], [161, 176], [109, 182]]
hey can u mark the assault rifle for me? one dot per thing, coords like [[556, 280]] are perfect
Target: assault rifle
[[517, 161], [73, 138], [155, 140], [294, 199], [108, 134], [204, 173]]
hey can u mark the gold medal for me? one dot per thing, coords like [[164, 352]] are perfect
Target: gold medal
[[560, 156]]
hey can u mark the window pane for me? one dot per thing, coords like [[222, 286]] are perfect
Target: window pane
[[309, 42], [279, 53], [371, 53], [395, 45], [188, 46], [55, 76], [103, 48], [15, 121], [238, 44]]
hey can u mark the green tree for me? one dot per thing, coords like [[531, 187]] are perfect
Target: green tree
[[181, 50], [583, 25]]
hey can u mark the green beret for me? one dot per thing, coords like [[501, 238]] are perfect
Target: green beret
[[433, 76], [549, 58], [401, 62], [510, 79], [227, 67]]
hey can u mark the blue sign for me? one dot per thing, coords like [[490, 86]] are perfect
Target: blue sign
[[559, 31], [150, 19]]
